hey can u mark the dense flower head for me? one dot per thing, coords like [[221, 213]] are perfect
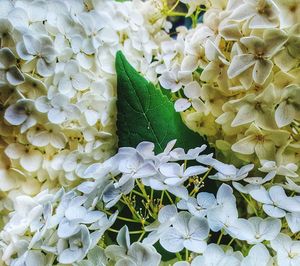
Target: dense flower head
[[68, 225], [58, 84], [70, 196], [234, 77]]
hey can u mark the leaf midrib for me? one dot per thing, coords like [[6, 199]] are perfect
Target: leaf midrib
[[141, 106]]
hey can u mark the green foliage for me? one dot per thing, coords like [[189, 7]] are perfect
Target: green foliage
[[145, 114]]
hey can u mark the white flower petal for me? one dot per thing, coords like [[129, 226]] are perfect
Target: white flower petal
[[239, 64], [182, 104], [192, 90], [273, 211], [31, 161], [171, 240], [284, 114], [262, 70]]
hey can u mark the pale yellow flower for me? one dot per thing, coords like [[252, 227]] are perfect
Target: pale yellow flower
[[262, 142], [198, 122]]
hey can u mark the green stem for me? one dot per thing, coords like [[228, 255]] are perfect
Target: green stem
[[113, 230], [137, 193], [142, 189], [151, 195], [220, 238], [176, 14], [195, 190], [130, 232], [173, 7], [230, 242], [162, 197], [141, 236], [250, 203], [122, 218], [178, 256], [136, 232], [169, 197], [186, 255], [132, 210]]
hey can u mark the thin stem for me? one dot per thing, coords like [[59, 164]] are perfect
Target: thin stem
[[20, 93], [136, 232], [238, 242], [132, 210], [169, 197], [130, 232], [141, 236], [196, 189], [250, 204], [206, 175], [176, 14], [162, 197], [220, 238], [142, 189], [138, 193], [122, 218], [185, 161], [151, 195], [186, 255], [230, 242], [178, 256], [113, 230], [173, 7]]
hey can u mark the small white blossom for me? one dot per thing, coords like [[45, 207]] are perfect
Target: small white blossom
[[288, 251], [186, 232]]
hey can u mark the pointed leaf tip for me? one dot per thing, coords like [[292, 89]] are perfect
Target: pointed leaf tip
[[145, 114]]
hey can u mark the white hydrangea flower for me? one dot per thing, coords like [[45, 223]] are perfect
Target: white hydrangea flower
[[186, 232], [288, 251], [30, 158], [259, 51], [200, 205], [166, 217], [227, 172], [176, 174], [74, 248], [38, 52], [261, 14], [72, 79], [274, 168], [58, 108], [49, 135], [9, 73], [224, 214], [289, 12], [258, 255], [10, 177], [255, 229], [134, 254], [174, 79], [288, 109], [275, 201], [293, 220], [23, 113], [215, 256]]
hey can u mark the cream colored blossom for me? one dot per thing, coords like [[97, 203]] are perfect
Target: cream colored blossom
[[261, 142], [289, 107], [258, 52]]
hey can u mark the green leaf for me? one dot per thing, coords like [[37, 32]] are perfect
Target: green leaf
[[145, 114]]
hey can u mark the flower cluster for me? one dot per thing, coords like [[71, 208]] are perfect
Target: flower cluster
[[235, 78], [68, 225], [58, 85], [61, 225], [68, 198]]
